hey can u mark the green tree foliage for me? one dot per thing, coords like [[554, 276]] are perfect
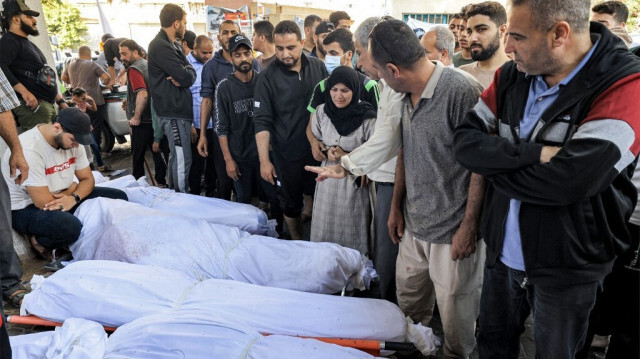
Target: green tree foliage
[[63, 20], [634, 10]]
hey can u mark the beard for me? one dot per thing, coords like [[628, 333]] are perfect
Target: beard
[[244, 67], [320, 48], [199, 58], [487, 53], [28, 29], [59, 141]]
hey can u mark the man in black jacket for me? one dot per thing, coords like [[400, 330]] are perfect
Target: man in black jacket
[[556, 137], [280, 115], [234, 127], [170, 77]]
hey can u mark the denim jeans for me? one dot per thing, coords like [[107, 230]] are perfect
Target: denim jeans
[[55, 229], [560, 313], [97, 154]]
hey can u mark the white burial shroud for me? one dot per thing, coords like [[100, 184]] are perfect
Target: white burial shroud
[[114, 293], [129, 232], [213, 210]]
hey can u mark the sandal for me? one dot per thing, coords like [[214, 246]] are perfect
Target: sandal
[[40, 251], [162, 185], [15, 298], [104, 168]]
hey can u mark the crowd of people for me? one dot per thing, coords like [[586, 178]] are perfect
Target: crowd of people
[[487, 166]]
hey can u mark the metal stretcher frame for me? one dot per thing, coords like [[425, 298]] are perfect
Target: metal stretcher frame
[[369, 346]]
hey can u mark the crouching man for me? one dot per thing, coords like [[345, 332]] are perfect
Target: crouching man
[[43, 205]]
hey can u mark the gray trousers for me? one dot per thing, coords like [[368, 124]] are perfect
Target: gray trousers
[[386, 251], [178, 132], [10, 267]]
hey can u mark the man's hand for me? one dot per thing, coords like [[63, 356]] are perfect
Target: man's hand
[[335, 171], [317, 149], [17, 161], [194, 135], [335, 153], [464, 243], [155, 147], [30, 100], [134, 121], [124, 105], [268, 172], [548, 152], [203, 145], [232, 170], [62, 202], [396, 225], [174, 82]]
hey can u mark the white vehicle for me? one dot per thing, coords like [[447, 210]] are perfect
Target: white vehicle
[[117, 126]]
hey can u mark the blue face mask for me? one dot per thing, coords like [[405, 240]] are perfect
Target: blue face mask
[[331, 62]]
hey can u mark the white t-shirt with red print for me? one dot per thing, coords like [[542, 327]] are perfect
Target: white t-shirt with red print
[[48, 166]]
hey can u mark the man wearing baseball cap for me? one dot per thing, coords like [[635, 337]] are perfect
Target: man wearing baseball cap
[[42, 206], [26, 67], [322, 30], [234, 126]]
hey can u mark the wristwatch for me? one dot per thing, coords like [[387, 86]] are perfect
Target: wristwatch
[[76, 197]]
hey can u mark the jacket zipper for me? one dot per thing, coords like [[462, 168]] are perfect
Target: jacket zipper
[[525, 281]]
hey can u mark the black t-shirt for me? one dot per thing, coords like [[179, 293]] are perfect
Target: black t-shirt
[[112, 50], [234, 116], [18, 55]]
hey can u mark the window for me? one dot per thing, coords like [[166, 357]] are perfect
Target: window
[[428, 18]]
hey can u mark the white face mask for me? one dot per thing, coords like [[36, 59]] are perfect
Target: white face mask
[[331, 62]]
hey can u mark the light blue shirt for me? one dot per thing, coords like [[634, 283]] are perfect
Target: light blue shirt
[[541, 97], [195, 91]]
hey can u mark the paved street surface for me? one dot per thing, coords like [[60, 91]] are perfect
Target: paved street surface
[[120, 158]]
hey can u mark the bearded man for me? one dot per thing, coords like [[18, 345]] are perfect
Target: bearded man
[[486, 28], [26, 67]]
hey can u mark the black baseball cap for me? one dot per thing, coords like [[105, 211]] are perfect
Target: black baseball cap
[[15, 7], [238, 40], [77, 123], [324, 27]]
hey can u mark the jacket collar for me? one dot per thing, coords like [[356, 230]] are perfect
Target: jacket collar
[[303, 58]]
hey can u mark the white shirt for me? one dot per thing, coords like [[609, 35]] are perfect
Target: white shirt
[[377, 157], [48, 166]]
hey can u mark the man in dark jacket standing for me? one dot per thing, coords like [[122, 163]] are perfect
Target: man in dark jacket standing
[[170, 77], [556, 135], [280, 116]]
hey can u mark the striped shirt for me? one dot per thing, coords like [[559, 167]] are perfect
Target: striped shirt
[[8, 98]]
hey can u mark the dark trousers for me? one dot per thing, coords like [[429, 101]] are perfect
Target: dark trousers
[[224, 182], [385, 250], [10, 268], [250, 171], [294, 182], [55, 229], [617, 309], [560, 314], [200, 164], [5, 346], [99, 119], [141, 140]]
